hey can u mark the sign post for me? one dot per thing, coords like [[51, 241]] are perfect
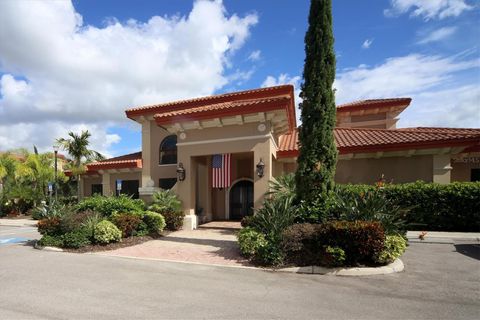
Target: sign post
[[119, 186]]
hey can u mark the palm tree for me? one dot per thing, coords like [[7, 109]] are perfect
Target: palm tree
[[77, 148]]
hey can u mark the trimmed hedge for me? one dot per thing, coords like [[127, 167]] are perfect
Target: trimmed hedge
[[107, 206], [320, 244], [434, 207]]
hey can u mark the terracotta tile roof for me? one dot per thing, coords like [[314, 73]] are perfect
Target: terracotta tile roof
[[238, 106], [374, 103], [445, 130], [239, 95], [358, 140], [132, 160], [235, 103]]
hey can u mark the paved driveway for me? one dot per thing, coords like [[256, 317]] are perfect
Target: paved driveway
[[212, 243], [441, 281]]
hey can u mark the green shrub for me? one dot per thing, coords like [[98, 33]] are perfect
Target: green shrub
[[73, 220], [334, 256], [271, 253], [362, 241], [395, 246], [127, 223], [76, 239], [52, 210], [436, 207], [308, 244], [107, 206], [105, 232], [246, 221], [301, 245], [154, 221], [90, 222], [370, 205], [169, 206], [50, 241], [49, 226], [250, 241], [274, 216]]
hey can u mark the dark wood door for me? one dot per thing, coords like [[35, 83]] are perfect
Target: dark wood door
[[241, 200]]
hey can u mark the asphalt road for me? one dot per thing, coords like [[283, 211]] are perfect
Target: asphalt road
[[438, 283]]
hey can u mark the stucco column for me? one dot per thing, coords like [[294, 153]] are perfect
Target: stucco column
[[442, 168], [106, 189], [186, 190], [208, 200], [146, 154], [262, 151]]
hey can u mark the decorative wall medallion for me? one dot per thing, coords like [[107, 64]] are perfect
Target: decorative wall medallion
[[261, 127], [183, 135]]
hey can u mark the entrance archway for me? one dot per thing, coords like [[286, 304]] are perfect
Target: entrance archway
[[240, 198]]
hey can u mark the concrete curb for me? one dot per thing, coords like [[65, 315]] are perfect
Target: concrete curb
[[52, 249], [396, 266]]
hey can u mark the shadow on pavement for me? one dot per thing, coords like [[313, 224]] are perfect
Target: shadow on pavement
[[469, 250]]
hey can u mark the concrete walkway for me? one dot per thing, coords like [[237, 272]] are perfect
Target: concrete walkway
[[443, 237], [212, 243], [22, 222]]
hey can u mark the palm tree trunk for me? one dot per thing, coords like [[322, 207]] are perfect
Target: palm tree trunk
[[78, 188]]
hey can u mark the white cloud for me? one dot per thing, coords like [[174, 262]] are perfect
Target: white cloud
[[438, 35], [428, 9], [367, 43], [431, 81], [255, 55], [284, 78], [61, 75]]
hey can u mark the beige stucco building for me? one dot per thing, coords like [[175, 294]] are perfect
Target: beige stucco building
[[258, 130]]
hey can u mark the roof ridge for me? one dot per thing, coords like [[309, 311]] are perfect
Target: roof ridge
[[367, 101], [206, 98], [114, 158]]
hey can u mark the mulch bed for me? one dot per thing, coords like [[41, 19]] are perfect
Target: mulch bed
[[126, 242]]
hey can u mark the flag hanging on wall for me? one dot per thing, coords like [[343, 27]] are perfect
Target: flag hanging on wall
[[221, 170]]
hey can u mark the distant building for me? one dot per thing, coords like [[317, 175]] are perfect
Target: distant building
[[230, 145]]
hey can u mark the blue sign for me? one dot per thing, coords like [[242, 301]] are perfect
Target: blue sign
[[119, 185], [50, 187]]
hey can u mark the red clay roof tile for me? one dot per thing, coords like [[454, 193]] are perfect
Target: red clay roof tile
[[355, 140], [374, 103]]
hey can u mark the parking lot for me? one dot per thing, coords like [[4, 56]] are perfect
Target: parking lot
[[441, 281]]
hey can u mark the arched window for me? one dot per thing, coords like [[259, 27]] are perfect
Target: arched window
[[168, 150]]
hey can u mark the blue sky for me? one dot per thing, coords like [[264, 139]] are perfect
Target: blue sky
[[78, 65]]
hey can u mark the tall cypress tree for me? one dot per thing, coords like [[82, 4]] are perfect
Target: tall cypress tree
[[318, 153]]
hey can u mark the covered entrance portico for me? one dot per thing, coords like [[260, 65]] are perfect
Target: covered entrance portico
[[245, 126], [230, 202]]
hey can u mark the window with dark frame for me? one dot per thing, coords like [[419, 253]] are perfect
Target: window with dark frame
[[97, 188], [475, 174], [167, 183], [168, 150]]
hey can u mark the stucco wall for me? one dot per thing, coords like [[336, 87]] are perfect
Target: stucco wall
[[398, 169], [87, 184], [395, 169], [461, 171], [123, 176]]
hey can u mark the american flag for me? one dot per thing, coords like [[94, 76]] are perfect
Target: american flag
[[221, 170]]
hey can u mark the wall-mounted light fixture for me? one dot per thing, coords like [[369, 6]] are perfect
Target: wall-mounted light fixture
[[260, 168], [180, 172]]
